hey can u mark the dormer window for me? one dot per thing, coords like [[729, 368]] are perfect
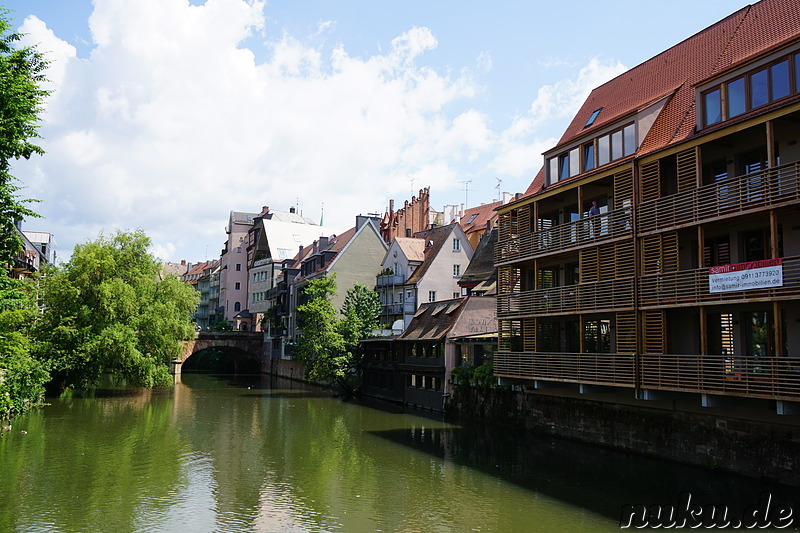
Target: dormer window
[[592, 117], [750, 90], [600, 151]]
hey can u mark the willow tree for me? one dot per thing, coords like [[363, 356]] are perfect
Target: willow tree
[[108, 312], [22, 73]]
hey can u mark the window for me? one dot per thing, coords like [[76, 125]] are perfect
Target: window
[[592, 117], [238, 267], [456, 295], [238, 249], [629, 139], [777, 80], [759, 88], [431, 296], [456, 245], [588, 157], [736, 100], [456, 270], [553, 166], [574, 162], [711, 107], [472, 218], [237, 286], [237, 306], [603, 150], [563, 167]]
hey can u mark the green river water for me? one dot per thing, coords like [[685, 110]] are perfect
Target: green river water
[[272, 456]]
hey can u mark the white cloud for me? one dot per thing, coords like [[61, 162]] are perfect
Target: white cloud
[[520, 146], [170, 123]]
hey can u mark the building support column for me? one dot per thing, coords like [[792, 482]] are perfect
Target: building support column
[[771, 159], [777, 320], [773, 234], [703, 331]]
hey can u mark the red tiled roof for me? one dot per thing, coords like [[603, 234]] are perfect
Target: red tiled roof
[[674, 73], [484, 213]]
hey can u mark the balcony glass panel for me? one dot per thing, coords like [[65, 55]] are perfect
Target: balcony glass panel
[[588, 157], [616, 145], [603, 150]]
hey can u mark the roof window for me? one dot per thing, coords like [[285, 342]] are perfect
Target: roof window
[[592, 117]]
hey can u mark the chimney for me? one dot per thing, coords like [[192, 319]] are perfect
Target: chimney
[[291, 209], [489, 225], [264, 210], [183, 262], [300, 252], [391, 207], [314, 247], [323, 243]]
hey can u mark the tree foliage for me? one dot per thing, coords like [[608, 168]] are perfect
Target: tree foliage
[[328, 344], [108, 311], [22, 377], [21, 102]]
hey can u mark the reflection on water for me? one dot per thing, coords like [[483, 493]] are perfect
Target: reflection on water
[[271, 455]]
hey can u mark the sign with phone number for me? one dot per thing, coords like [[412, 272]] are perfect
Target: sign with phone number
[[762, 274]]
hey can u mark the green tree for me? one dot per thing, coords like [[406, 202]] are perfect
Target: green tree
[[108, 312], [21, 102], [321, 345], [329, 344], [22, 377]]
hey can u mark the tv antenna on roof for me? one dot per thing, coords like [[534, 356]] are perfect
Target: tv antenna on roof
[[466, 192], [499, 183], [412, 179]]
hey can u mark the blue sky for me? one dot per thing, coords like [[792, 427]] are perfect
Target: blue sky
[[167, 114]]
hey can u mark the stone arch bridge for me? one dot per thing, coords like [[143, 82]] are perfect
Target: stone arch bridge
[[246, 349]]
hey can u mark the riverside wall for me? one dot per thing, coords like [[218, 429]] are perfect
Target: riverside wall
[[720, 439]]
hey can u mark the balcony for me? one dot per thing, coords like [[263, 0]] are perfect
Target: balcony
[[690, 287], [761, 190], [390, 279], [392, 309], [611, 295], [571, 236], [770, 377], [588, 368]]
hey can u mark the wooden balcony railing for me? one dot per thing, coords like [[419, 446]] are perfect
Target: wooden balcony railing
[[578, 234], [751, 192], [611, 295], [589, 368], [775, 378], [690, 287]]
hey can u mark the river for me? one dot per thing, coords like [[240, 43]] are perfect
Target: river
[[272, 456]]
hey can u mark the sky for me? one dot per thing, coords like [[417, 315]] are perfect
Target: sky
[[165, 115]]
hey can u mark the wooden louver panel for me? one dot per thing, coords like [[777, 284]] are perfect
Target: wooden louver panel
[[589, 266], [508, 278], [660, 253], [524, 220], [623, 189], [687, 169], [651, 181], [529, 334], [504, 226], [608, 262], [626, 332], [653, 332], [504, 335], [624, 267]]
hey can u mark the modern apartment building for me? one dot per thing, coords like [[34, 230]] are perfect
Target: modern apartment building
[[656, 256]]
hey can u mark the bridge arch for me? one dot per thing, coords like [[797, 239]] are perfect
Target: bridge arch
[[245, 349]]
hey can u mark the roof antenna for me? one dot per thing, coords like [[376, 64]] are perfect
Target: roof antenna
[[321, 212], [499, 184], [466, 192], [412, 179]]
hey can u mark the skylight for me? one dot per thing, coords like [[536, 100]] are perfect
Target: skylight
[[473, 217], [593, 117]]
